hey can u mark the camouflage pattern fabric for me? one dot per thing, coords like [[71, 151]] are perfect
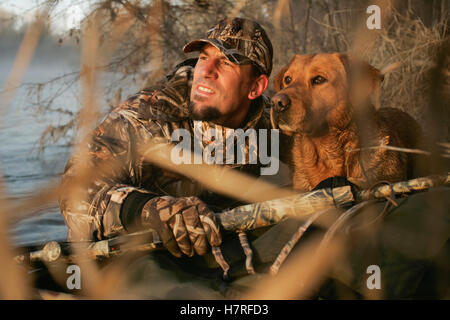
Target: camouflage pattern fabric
[[153, 113], [418, 184], [243, 41], [303, 205], [184, 224]]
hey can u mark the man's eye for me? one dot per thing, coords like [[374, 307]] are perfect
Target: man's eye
[[287, 80], [226, 62], [318, 80]]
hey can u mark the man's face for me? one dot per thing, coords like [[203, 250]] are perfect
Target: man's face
[[220, 88]]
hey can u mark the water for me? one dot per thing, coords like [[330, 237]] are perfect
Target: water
[[23, 170]]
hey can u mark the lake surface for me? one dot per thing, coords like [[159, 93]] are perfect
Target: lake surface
[[24, 171]]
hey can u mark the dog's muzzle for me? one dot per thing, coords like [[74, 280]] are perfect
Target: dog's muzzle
[[280, 102], [274, 120]]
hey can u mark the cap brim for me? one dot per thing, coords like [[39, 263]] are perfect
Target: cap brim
[[197, 45]]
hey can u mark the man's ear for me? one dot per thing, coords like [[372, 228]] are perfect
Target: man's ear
[[258, 87], [362, 78], [277, 82]]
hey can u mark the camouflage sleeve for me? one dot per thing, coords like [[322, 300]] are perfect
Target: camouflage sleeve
[[112, 171], [94, 186]]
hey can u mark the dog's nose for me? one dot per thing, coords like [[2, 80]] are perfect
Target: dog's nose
[[280, 101]]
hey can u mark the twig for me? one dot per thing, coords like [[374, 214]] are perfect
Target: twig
[[284, 253], [305, 35], [408, 150]]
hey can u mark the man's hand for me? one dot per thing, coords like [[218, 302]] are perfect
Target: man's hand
[[183, 224]]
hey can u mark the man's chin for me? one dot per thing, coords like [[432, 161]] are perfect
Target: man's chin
[[204, 112]]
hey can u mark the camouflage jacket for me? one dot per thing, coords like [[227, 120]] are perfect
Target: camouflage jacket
[[154, 112]]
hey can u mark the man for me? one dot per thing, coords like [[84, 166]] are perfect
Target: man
[[223, 90]]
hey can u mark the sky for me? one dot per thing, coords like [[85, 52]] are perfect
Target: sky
[[66, 15]]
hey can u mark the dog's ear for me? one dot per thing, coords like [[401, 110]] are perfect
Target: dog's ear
[[362, 78], [277, 82]]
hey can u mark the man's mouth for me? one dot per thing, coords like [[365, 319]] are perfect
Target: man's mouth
[[204, 90]]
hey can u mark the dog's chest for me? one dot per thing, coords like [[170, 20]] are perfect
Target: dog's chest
[[315, 160], [320, 151]]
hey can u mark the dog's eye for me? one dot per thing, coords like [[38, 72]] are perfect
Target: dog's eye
[[287, 80], [318, 80]]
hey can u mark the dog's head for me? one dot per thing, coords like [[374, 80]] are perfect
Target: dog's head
[[315, 92]]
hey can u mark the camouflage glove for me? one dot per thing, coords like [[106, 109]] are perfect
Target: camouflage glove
[[183, 224]]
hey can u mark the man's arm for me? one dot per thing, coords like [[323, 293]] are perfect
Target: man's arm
[[94, 185], [112, 201]]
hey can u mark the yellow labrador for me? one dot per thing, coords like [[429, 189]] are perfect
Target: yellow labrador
[[323, 101]]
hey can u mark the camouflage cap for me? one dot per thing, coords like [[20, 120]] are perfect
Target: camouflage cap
[[241, 40]]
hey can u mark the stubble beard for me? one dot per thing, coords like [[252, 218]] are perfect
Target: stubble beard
[[203, 113]]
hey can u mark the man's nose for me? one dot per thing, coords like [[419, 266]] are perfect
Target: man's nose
[[280, 102], [209, 68]]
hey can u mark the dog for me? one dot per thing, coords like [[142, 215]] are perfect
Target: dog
[[322, 102]]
